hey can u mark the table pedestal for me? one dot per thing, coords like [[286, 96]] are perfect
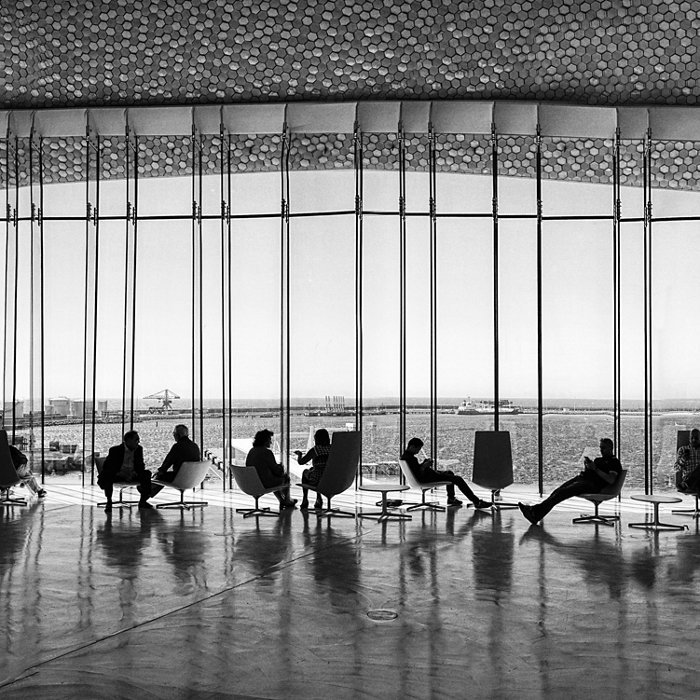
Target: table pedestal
[[657, 525], [385, 514]]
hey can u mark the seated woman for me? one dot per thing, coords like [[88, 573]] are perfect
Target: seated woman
[[24, 472], [270, 473], [318, 456], [425, 474]]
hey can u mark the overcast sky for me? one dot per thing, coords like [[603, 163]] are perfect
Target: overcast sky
[[577, 281]]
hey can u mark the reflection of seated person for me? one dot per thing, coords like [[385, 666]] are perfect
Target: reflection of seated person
[[595, 476], [688, 464], [184, 450], [24, 471], [425, 474], [318, 456], [271, 474], [124, 464]]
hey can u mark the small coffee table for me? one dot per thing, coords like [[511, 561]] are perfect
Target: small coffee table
[[656, 501], [385, 514]]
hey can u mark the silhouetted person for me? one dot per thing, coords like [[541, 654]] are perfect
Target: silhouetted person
[[688, 464], [595, 476], [318, 456], [270, 473], [424, 472], [184, 450], [124, 463], [24, 471]]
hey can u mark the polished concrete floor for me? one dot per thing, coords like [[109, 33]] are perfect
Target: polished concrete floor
[[206, 604]]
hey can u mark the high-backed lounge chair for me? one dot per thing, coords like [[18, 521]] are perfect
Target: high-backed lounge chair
[[189, 476], [340, 471], [608, 493], [493, 464]]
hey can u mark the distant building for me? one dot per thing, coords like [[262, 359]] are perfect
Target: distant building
[[19, 408]]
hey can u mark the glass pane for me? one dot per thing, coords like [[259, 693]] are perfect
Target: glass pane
[[322, 327], [381, 344], [160, 191], [517, 173], [312, 187], [464, 336], [577, 343], [255, 293], [575, 173], [517, 326]]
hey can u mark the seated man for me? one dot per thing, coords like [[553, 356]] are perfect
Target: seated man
[[596, 475], [425, 474], [124, 464], [688, 464], [184, 450], [24, 471]]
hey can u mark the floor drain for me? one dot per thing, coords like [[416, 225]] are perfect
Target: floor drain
[[382, 615]]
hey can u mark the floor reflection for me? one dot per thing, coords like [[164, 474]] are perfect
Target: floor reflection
[[300, 606]]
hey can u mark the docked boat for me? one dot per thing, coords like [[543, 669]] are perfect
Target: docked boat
[[475, 408]]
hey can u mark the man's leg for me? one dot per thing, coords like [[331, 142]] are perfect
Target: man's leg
[[144, 488], [569, 489], [106, 483], [692, 481], [461, 484]]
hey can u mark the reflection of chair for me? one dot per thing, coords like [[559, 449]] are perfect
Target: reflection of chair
[[418, 486], [189, 476], [8, 474], [606, 494], [682, 439], [493, 464], [340, 471], [249, 482], [121, 485]]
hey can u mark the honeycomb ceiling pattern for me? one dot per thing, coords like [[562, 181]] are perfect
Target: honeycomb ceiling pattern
[[125, 53]]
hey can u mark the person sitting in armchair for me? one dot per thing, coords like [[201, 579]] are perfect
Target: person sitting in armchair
[[124, 464], [688, 464]]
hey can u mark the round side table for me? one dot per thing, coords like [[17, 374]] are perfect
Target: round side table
[[656, 501], [384, 489]]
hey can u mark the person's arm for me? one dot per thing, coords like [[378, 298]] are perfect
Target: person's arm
[[307, 457], [139, 464], [276, 469], [608, 477], [19, 459], [169, 460], [681, 457]]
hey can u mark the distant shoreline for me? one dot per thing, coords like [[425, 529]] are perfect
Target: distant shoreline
[[263, 412]]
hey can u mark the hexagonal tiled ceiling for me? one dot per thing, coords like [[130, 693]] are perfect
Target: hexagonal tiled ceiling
[[613, 52], [184, 51]]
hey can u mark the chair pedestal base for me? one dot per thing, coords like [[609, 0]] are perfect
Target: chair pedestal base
[[334, 512], [329, 511], [8, 500], [248, 512], [121, 503], [182, 503], [692, 512], [265, 511], [500, 505], [187, 505], [427, 505], [597, 518]]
